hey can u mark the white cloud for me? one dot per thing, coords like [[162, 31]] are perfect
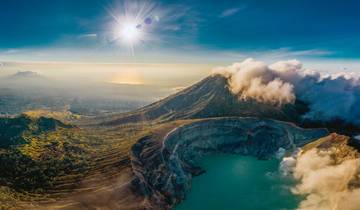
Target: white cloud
[[329, 96], [12, 51], [288, 52], [252, 79], [313, 57], [88, 36], [230, 12]]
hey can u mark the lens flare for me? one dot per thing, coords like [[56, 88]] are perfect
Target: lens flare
[[143, 24], [133, 23]]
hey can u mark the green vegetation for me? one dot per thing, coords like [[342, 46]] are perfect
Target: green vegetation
[[20, 130], [42, 159], [35, 151]]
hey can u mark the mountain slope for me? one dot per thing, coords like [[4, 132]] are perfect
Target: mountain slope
[[25, 75], [207, 98]]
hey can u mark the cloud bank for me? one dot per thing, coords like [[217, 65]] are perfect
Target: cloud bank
[[332, 96], [325, 183]]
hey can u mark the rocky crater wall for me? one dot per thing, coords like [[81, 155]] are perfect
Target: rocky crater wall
[[164, 167]]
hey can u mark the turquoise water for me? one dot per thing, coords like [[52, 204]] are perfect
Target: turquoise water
[[233, 182]]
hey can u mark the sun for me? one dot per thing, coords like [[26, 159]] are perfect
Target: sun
[[135, 23], [128, 33]]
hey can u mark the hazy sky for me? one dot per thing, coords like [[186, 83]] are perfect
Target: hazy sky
[[169, 75], [322, 34]]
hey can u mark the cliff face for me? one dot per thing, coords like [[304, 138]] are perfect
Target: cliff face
[[164, 167]]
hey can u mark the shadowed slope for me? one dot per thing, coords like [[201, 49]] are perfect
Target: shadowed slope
[[12, 130]]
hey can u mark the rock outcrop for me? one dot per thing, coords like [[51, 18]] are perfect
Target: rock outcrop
[[163, 168], [341, 147]]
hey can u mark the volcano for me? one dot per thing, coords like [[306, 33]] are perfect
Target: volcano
[[211, 97]]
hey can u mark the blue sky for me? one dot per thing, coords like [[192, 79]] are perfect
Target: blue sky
[[187, 31]]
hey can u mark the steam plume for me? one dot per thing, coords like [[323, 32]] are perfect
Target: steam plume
[[326, 184], [252, 79], [329, 97]]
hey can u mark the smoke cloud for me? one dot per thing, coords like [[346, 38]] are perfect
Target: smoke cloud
[[325, 183], [252, 79], [332, 96]]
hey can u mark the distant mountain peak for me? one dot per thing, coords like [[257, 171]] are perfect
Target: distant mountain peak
[[26, 74]]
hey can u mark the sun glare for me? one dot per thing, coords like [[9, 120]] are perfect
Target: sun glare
[[135, 24], [128, 33], [129, 77]]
